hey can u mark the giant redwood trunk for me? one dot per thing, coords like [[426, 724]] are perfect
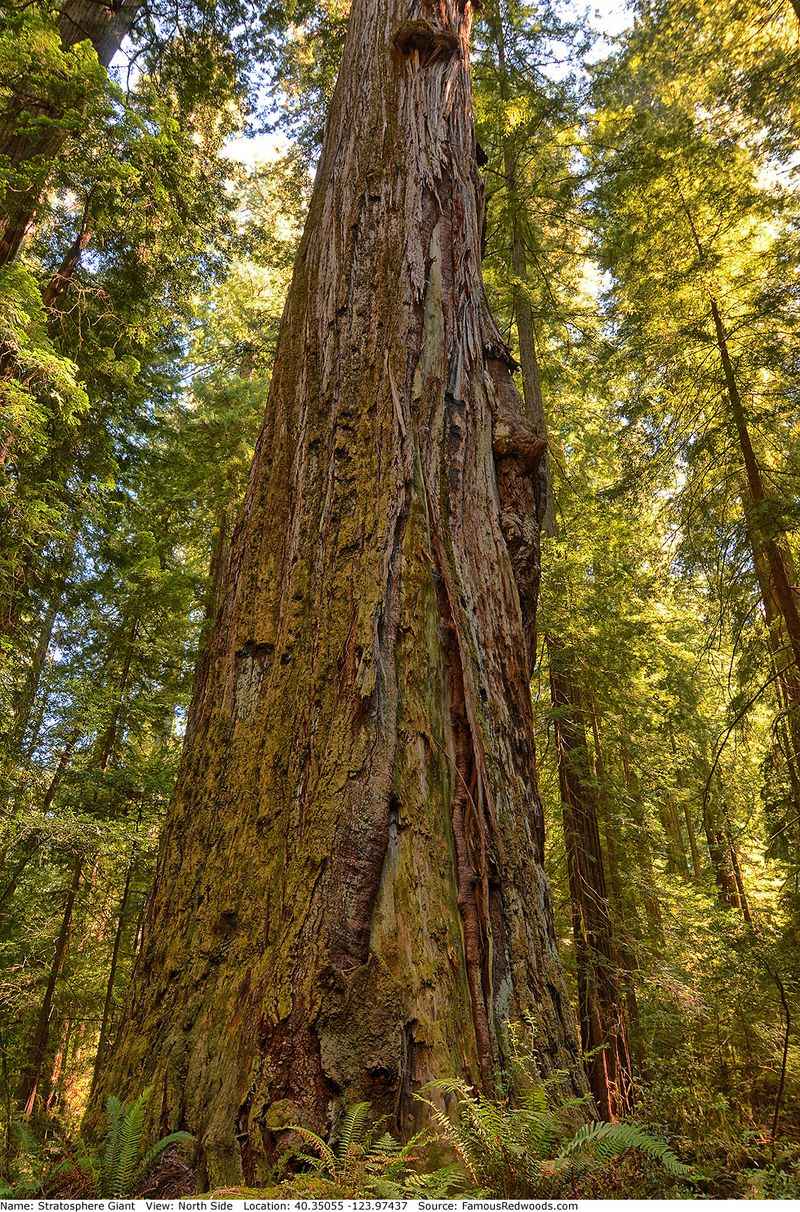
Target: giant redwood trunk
[[32, 129], [349, 898]]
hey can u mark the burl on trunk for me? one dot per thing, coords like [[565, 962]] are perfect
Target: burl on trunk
[[350, 897]]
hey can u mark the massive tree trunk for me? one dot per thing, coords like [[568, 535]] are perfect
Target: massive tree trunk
[[349, 898], [29, 149], [604, 1032]]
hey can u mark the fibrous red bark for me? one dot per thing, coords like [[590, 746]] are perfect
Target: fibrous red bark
[[350, 898]]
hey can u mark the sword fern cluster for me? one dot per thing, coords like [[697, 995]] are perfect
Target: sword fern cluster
[[520, 1146]]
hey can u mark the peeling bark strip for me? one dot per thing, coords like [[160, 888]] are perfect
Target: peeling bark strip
[[358, 798]]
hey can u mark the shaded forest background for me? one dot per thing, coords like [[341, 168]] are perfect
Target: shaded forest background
[[642, 255]]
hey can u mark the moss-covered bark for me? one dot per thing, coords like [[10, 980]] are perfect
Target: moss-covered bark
[[349, 898]]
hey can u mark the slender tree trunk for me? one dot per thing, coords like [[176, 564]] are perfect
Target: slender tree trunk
[[105, 1022], [31, 152], [356, 821], [107, 739], [26, 852], [55, 1085], [36, 1052], [644, 846], [694, 850], [720, 850], [103, 750], [720, 865], [786, 673], [603, 1028], [676, 851], [782, 588], [139, 928], [670, 817], [27, 696], [623, 911], [628, 963], [765, 546], [32, 843], [737, 876], [63, 276], [626, 948]]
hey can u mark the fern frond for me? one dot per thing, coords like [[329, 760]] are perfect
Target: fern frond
[[475, 1112], [534, 1098], [537, 1131], [603, 1142], [111, 1147], [387, 1144], [28, 1143], [313, 1160], [436, 1184], [352, 1129], [417, 1141], [130, 1142], [461, 1146], [323, 1149]]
